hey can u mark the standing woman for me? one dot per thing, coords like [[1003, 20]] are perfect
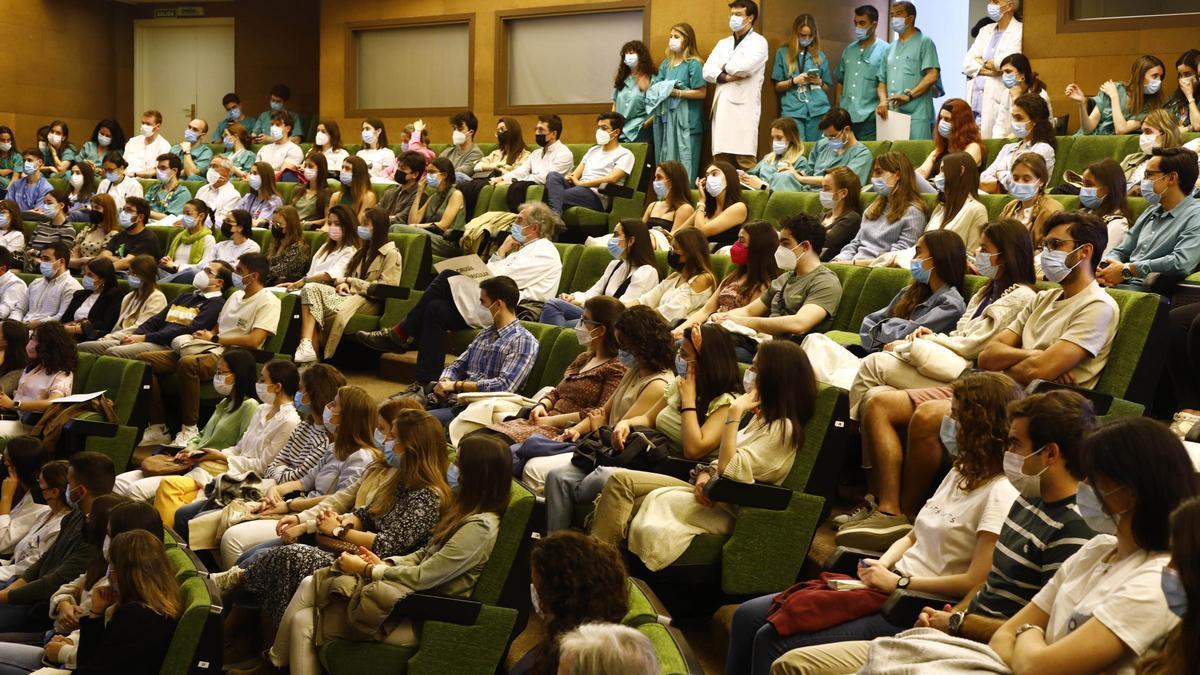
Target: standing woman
[[328, 143], [1104, 194], [754, 268], [1018, 78], [802, 77], [1121, 106], [720, 210], [633, 78], [689, 285], [331, 260], [311, 198], [841, 197], [60, 154], [995, 42], [956, 132], [627, 277], [11, 161], [92, 311], [679, 127], [326, 308], [237, 146], [375, 151], [142, 302], [780, 170], [94, 237], [263, 198], [355, 191], [1035, 133], [107, 136], [288, 254]]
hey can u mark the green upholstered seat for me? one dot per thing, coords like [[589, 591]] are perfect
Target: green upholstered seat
[[671, 659], [756, 203], [852, 278], [164, 233], [562, 351], [877, 148], [881, 286], [197, 605], [781, 205], [1138, 312], [121, 382], [721, 265], [995, 204], [1075, 153], [595, 222], [592, 262], [547, 337], [915, 151], [570, 254], [844, 338]]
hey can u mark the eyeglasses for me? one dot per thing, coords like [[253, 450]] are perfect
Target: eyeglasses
[[1054, 244]]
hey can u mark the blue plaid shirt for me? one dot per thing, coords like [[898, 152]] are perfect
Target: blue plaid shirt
[[496, 360]]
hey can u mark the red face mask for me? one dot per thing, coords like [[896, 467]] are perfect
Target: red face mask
[[739, 253]]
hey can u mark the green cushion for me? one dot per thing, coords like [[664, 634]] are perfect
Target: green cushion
[[121, 381], [974, 283], [564, 350], [1139, 205], [721, 264], [512, 532], [570, 254], [287, 308], [165, 234], [781, 205], [546, 336], [877, 148], [1138, 311], [882, 285], [756, 203], [852, 278], [1080, 151], [671, 660], [197, 604], [171, 291], [416, 252], [83, 369], [915, 151], [844, 338], [592, 262], [578, 216], [641, 609], [705, 549]]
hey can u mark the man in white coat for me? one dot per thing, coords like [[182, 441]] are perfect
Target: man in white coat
[[996, 41], [737, 65]]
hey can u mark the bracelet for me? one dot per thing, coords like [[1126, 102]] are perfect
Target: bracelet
[[1025, 627], [733, 421], [683, 410]]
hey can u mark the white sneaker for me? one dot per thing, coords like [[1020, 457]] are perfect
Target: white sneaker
[[156, 434], [305, 352], [228, 580], [187, 433]]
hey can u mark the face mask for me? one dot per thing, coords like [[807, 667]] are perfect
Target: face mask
[[50, 210], [779, 147], [715, 185], [1089, 197], [1020, 129], [983, 263], [614, 247], [147, 130], [277, 232], [835, 142], [433, 180], [899, 23], [502, 137], [860, 33], [76, 180], [30, 168], [276, 133], [221, 385], [47, 269], [1092, 510], [125, 220], [104, 548], [304, 409], [255, 181], [364, 233], [5, 147], [200, 281], [805, 42], [533, 599], [327, 418], [1174, 592], [736, 23], [681, 365], [276, 105], [602, 137], [949, 435], [310, 174], [1028, 486], [749, 380], [321, 138], [162, 176], [1148, 192], [188, 221], [739, 253], [881, 186], [134, 282], [4, 218], [89, 283], [993, 11], [452, 477], [827, 200], [1009, 80], [627, 359], [919, 273], [346, 177], [335, 232], [212, 176], [939, 182], [944, 128], [674, 261], [235, 113], [1024, 191], [238, 282], [660, 189], [264, 392], [43, 146], [70, 497], [540, 139], [458, 137], [190, 136], [112, 176], [1146, 143], [1152, 87], [631, 60], [583, 334], [518, 233], [389, 450], [228, 141], [54, 139], [785, 258], [404, 147], [1054, 264], [674, 44], [227, 230]]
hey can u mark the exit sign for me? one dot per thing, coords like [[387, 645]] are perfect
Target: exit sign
[[164, 13], [190, 11]]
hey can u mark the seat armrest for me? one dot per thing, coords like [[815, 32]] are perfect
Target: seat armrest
[[1161, 283], [385, 291], [1101, 401], [11, 415], [756, 495], [617, 190], [677, 467], [844, 560], [432, 607], [903, 606], [262, 355], [91, 428]]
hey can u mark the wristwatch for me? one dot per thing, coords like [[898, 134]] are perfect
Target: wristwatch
[[902, 583], [1026, 627], [1126, 272], [339, 531], [956, 621]]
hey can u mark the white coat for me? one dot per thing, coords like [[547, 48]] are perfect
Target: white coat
[[737, 105], [994, 90]]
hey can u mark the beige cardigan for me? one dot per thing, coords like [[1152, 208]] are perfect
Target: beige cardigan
[[384, 269], [133, 315]]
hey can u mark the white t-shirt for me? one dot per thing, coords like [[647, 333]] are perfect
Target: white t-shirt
[[128, 187], [229, 251], [277, 154], [240, 315], [379, 160], [141, 157], [333, 263], [1125, 596], [598, 163], [334, 159], [949, 523]]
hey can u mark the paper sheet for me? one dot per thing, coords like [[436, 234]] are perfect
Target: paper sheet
[[895, 128], [470, 266], [79, 398]]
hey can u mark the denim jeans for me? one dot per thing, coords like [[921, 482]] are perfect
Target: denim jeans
[[247, 557], [561, 196], [567, 486], [560, 313], [18, 659], [184, 515]]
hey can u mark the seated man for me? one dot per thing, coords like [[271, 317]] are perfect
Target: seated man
[[279, 150], [218, 192], [463, 153], [196, 156], [232, 103], [1166, 237], [248, 319], [527, 258], [836, 147], [24, 605], [397, 200], [1064, 335], [193, 311], [167, 197], [116, 183], [802, 300], [134, 239], [142, 150], [32, 188], [606, 162], [50, 295], [261, 127], [14, 293], [1045, 463], [552, 156]]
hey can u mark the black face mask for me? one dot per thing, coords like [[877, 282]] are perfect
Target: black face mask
[[227, 230], [277, 232], [541, 140], [674, 261], [501, 137], [95, 216]]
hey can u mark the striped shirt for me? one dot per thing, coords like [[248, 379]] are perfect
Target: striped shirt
[[1037, 537], [879, 236], [304, 449]]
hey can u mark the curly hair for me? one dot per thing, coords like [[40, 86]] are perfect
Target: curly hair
[[55, 349], [578, 579], [981, 407], [643, 332]]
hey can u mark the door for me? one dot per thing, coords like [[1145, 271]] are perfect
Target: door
[[182, 68]]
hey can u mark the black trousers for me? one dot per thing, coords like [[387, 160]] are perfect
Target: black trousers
[[1185, 341], [427, 323]]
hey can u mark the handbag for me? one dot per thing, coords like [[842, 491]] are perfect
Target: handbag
[[936, 361], [645, 448], [334, 545], [163, 465]]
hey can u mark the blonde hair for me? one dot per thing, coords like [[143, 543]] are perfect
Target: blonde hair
[[793, 45], [791, 133], [1165, 123], [422, 440], [356, 428], [690, 50], [903, 195], [142, 574], [606, 649]]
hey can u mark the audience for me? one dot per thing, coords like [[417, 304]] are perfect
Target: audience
[[691, 281], [218, 192], [237, 145], [143, 150], [327, 142], [311, 197], [117, 183], [12, 234], [332, 259], [1031, 205], [956, 132], [607, 162], [95, 235], [398, 200], [840, 197], [551, 156], [442, 215], [279, 96], [32, 187], [671, 209], [1120, 106], [780, 169], [195, 155], [262, 199]]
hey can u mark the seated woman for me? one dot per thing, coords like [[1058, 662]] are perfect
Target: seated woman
[[236, 241], [92, 311], [12, 233], [82, 180], [191, 249], [106, 136], [59, 152], [442, 214], [331, 260], [326, 308], [645, 351], [895, 219], [1159, 130], [933, 301], [237, 142], [13, 337], [780, 169], [838, 146], [288, 254], [627, 277], [94, 236], [956, 132], [29, 527], [375, 151], [1179, 586], [720, 211], [234, 381], [56, 227], [142, 302], [449, 564], [1104, 194], [689, 286], [355, 190], [1030, 205], [754, 268], [415, 137], [1035, 134], [263, 197], [312, 198], [947, 552], [841, 197], [510, 151], [781, 395], [669, 212], [50, 373], [1121, 106], [958, 210], [327, 142], [389, 512]]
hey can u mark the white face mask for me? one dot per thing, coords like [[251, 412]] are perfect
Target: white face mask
[[264, 392], [675, 44], [602, 137], [786, 258], [54, 139], [219, 383], [534, 600], [212, 176], [1147, 143], [76, 180], [458, 137], [1014, 468], [321, 138], [147, 130]]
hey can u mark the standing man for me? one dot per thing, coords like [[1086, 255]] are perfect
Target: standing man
[[738, 66], [857, 73], [910, 75], [142, 151], [232, 104]]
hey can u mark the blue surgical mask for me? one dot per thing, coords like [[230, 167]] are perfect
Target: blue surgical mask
[[627, 358], [228, 141], [660, 188], [190, 136], [46, 268], [518, 233], [1151, 88], [1174, 592], [433, 180], [327, 418], [134, 282], [188, 221], [125, 220], [379, 439], [30, 168], [983, 263], [681, 365], [452, 477], [631, 60], [368, 136], [235, 113], [254, 181], [389, 451], [949, 435], [899, 23], [805, 42], [881, 186], [1024, 191], [112, 176], [736, 23], [1009, 80], [835, 142], [1148, 193], [364, 233], [89, 283], [302, 408], [1089, 197], [50, 210], [919, 273], [1091, 509], [861, 33], [714, 185], [345, 177], [993, 11], [614, 247], [779, 147], [238, 282], [70, 498], [939, 182], [276, 105], [162, 176], [1020, 129], [276, 133], [944, 128], [1054, 264]]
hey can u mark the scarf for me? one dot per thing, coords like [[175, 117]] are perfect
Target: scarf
[[196, 241]]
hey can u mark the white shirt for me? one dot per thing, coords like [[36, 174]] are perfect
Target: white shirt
[[277, 154], [260, 443], [221, 200], [14, 296], [48, 298], [13, 240], [334, 158], [950, 522], [81, 312], [333, 263], [30, 548], [19, 521], [1125, 596], [737, 105], [598, 163], [1001, 168], [183, 254], [379, 160], [142, 157], [555, 156], [641, 280], [229, 252], [536, 269], [128, 187]]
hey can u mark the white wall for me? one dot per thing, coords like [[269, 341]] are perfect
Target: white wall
[[948, 23]]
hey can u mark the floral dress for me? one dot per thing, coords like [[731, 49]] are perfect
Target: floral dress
[[732, 295], [289, 265], [581, 391]]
